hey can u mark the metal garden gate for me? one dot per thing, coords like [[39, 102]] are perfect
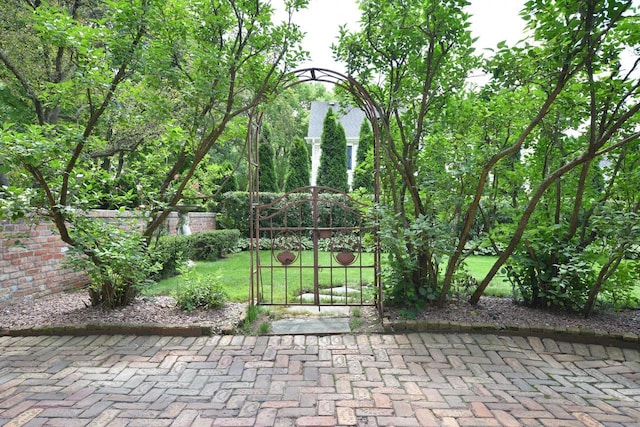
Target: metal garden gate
[[315, 245], [317, 248]]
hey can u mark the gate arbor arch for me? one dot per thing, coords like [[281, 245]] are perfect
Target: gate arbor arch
[[322, 219]]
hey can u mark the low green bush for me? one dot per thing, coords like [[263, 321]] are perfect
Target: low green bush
[[199, 292], [116, 260], [173, 251], [213, 245]]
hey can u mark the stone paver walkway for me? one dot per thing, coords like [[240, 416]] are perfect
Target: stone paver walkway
[[416, 379]]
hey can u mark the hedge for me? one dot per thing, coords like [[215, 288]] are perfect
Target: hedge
[[235, 213], [171, 251]]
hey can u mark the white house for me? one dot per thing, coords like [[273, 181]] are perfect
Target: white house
[[351, 119]]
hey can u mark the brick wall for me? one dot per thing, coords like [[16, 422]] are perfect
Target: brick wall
[[31, 255]]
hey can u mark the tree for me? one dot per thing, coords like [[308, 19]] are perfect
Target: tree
[[586, 42], [453, 167], [422, 53], [210, 182], [299, 174], [266, 170], [363, 175], [333, 158], [191, 70], [288, 117]]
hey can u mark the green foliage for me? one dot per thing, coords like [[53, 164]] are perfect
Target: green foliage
[[236, 210], [234, 275], [211, 181], [264, 328], [199, 292], [254, 312], [363, 175], [420, 74], [415, 254], [463, 285], [15, 202], [333, 158], [549, 273], [299, 174], [551, 270], [266, 171], [116, 260], [235, 213], [287, 115], [116, 104], [213, 245], [172, 251], [620, 290]]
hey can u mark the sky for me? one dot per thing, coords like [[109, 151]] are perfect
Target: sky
[[492, 21]]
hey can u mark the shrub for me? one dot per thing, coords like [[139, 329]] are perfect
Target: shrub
[[330, 210], [546, 272], [363, 175], [116, 260], [267, 173], [199, 292], [212, 245], [172, 251], [333, 158], [619, 289], [299, 173]]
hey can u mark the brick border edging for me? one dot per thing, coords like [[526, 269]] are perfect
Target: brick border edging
[[573, 335], [112, 329], [570, 334], [145, 329]]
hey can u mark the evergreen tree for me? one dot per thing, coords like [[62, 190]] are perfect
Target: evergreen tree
[[363, 175], [299, 173], [266, 169], [333, 159]]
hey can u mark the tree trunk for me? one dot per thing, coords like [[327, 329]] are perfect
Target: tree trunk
[[605, 272], [524, 220]]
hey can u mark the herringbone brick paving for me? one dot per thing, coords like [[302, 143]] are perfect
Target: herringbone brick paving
[[416, 379]]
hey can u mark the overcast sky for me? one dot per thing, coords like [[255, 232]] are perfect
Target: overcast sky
[[492, 21]]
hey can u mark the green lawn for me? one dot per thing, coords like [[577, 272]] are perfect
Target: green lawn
[[233, 273], [478, 266]]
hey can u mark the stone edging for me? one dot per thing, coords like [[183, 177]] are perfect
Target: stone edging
[[574, 335], [568, 334], [194, 330]]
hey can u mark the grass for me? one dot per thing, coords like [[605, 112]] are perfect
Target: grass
[[479, 266], [233, 273], [286, 285]]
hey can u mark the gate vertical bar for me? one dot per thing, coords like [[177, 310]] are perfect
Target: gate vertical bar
[[316, 255], [253, 132]]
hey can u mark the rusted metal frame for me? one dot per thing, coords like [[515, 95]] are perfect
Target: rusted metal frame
[[252, 138], [316, 255], [374, 114], [345, 208]]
